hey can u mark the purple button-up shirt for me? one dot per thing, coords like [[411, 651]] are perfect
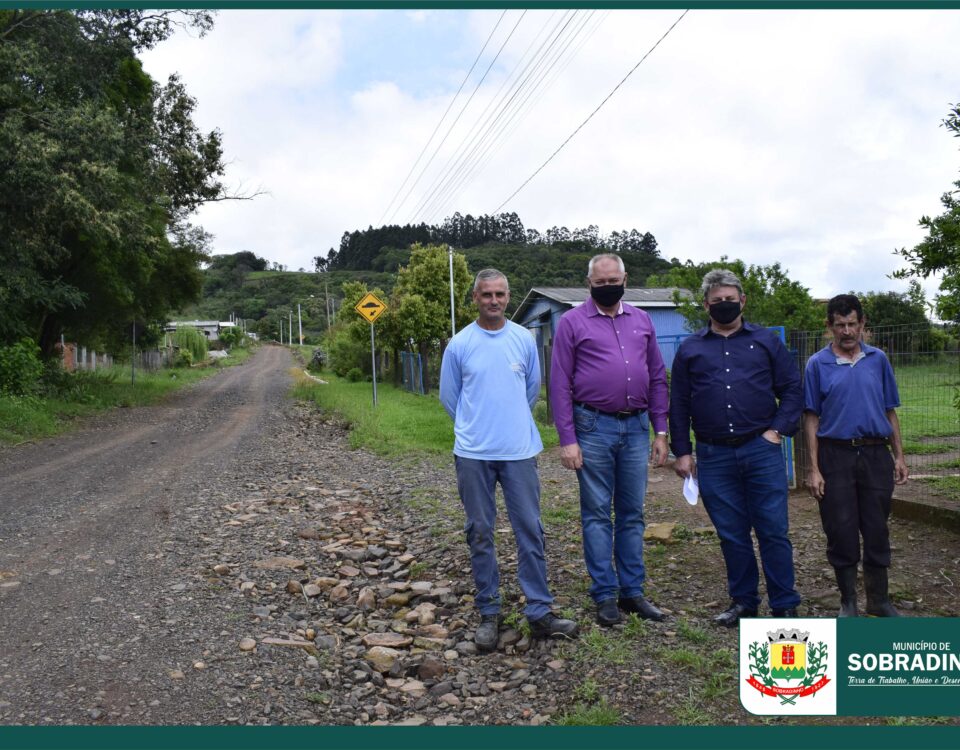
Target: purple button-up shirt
[[612, 364]]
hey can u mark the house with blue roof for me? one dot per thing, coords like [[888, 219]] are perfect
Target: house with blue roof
[[541, 309]]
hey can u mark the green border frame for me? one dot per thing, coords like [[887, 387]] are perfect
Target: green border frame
[[784, 737], [780, 736]]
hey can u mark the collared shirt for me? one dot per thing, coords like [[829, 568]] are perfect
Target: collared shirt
[[728, 386], [851, 397], [489, 382], [613, 364]]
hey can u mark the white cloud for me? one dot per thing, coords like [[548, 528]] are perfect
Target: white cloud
[[805, 137]]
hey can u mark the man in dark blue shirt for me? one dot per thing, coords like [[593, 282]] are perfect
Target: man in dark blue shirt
[[850, 422], [739, 388]]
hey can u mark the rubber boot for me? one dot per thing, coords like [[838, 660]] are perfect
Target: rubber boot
[[847, 583], [878, 602]]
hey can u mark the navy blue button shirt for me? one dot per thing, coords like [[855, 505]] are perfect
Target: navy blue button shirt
[[727, 386]]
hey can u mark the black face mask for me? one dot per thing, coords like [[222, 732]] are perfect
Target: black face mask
[[725, 312], [607, 295]]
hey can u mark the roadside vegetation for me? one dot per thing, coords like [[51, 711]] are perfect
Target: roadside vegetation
[[402, 423], [56, 400]]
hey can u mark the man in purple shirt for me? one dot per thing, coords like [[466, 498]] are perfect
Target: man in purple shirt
[[607, 384]]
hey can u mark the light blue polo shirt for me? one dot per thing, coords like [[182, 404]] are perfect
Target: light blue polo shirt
[[852, 400], [489, 381]]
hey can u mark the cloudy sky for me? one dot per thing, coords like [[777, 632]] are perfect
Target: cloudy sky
[[811, 138]]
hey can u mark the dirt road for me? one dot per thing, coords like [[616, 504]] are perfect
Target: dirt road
[[87, 526], [227, 558]]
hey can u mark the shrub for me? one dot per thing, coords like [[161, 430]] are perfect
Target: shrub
[[20, 368], [354, 375], [190, 339], [183, 358]]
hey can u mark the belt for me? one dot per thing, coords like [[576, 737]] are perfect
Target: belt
[[733, 442], [616, 414], [855, 442]]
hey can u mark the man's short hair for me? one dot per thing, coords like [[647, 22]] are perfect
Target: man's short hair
[[605, 256], [720, 277], [844, 304], [487, 274]]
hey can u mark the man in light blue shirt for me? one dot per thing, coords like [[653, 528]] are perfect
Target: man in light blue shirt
[[489, 382]]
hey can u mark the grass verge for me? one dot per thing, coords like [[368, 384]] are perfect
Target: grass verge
[[26, 418], [401, 422]]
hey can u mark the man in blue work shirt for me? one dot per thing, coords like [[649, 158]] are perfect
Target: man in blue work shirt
[[737, 385], [850, 423], [489, 382]]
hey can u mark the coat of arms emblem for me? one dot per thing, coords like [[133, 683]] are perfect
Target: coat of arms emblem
[[788, 656]]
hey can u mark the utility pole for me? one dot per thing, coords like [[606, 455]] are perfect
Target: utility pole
[[299, 324], [453, 324], [326, 302]]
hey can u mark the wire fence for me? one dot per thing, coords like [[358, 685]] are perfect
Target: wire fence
[[412, 367], [926, 364]]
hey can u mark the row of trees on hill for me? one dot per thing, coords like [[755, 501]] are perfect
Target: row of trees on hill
[[100, 169], [386, 248]]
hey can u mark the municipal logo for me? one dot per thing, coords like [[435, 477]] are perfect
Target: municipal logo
[[788, 668]]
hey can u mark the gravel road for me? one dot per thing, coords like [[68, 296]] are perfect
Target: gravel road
[[226, 558]]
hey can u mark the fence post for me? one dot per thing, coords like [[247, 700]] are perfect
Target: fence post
[[547, 356]]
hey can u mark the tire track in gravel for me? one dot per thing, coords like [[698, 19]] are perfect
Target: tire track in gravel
[[83, 522]]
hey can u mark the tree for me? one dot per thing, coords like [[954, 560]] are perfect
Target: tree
[[420, 307], [772, 298], [100, 168], [939, 252], [898, 322]]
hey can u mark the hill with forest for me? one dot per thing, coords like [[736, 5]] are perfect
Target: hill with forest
[[264, 293]]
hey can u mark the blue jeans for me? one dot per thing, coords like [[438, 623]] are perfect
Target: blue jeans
[[476, 482], [615, 454], [745, 487]]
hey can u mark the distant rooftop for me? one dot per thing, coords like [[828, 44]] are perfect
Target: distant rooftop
[[574, 296]]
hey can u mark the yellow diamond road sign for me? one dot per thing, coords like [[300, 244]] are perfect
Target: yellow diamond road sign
[[370, 307]]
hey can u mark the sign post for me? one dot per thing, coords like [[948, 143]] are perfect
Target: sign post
[[370, 308]]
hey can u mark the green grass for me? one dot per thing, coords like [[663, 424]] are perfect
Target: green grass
[[947, 486], [597, 715], [401, 422], [953, 463], [27, 418], [587, 691], [912, 447], [692, 633], [598, 646], [926, 395]]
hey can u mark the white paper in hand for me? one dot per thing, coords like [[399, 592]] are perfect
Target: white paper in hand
[[691, 490]]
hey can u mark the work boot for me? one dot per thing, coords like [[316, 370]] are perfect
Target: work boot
[[847, 583], [551, 626], [488, 633], [878, 602]]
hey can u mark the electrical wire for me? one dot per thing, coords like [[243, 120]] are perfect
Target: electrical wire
[[590, 116], [444, 116], [460, 114]]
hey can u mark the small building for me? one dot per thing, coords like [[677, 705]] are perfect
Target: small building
[[209, 328], [541, 309]]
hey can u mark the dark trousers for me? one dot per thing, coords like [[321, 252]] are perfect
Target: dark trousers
[[856, 502]]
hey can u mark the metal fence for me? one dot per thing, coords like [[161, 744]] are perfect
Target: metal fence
[[75, 358], [411, 364], [926, 364]]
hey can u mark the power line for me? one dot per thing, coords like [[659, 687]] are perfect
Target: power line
[[530, 98], [460, 114], [500, 104], [507, 104], [590, 116], [444, 116]]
